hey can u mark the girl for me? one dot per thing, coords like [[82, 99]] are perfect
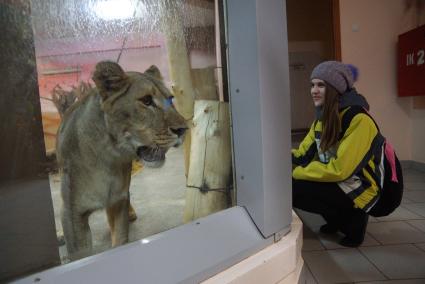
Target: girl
[[337, 174]]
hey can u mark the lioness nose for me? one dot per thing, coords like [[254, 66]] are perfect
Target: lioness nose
[[178, 131]]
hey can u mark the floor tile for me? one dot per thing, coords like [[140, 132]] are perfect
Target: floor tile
[[369, 240], [414, 195], [397, 262], [413, 176], [310, 240], [418, 208], [421, 246], [397, 232], [373, 219], [405, 200], [342, 265], [420, 224], [332, 241], [309, 278], [314, 240], [328, 241], [405, 281], [310, 219], [408, 186], [400, 214]]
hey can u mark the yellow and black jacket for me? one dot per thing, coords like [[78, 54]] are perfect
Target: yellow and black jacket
[[355, 163]]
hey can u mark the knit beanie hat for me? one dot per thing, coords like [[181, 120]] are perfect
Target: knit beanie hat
[[335, 73]]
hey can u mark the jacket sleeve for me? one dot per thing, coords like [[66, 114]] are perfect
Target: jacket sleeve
[[352, 150], [306, 150]]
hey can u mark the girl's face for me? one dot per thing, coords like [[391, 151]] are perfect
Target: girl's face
[[318, 89]]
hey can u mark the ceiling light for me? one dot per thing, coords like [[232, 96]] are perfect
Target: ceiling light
[[114, 9]]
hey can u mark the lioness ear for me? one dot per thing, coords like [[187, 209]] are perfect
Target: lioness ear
[[109, 78], [154, 72]]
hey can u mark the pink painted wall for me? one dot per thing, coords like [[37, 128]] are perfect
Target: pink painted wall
[[58, 54], [369, 33], [82, 54]]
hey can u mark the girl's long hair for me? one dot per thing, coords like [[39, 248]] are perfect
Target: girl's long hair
[[331, 126]]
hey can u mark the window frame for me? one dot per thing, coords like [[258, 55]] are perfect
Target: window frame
[[258, 76]]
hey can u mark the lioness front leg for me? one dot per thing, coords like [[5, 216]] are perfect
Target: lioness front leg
[[118, 222], [77, 233]]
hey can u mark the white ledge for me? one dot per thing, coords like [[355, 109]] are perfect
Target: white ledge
[[280, 262]]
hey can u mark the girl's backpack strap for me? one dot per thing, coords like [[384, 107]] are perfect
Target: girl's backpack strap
[[348, 115], [390, 155], [388, 149]]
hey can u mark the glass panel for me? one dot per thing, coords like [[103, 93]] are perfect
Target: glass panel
[[119, 118]]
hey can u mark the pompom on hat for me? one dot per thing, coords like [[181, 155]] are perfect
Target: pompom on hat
[[337, 74]]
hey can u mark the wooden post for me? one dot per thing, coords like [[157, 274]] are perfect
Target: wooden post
[[179, 66], [208, 158], [210, 173]]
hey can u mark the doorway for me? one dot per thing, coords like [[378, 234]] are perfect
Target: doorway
[[313, 37]]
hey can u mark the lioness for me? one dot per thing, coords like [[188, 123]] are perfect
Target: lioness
[[126, 117]]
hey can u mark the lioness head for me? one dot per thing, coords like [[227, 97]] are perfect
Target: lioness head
[[139, 112]]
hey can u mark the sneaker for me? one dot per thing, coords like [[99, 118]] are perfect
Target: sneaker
[[328, 229]]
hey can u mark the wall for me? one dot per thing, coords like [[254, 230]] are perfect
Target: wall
[[418, 131], [418, 111], [369, 32]]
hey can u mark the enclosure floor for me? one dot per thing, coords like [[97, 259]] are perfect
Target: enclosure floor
[[157, 195]]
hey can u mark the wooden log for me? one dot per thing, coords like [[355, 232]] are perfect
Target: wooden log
[[210, 170], [178, 58], [179, 66]]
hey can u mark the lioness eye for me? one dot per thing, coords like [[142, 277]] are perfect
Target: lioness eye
[[169, 101], [147, 100]]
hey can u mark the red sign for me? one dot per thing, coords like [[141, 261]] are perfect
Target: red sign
[[411, 63]]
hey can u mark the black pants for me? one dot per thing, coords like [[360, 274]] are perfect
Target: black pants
[[328, 200]]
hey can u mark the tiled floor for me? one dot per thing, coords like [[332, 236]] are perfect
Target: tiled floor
[[392, 253]]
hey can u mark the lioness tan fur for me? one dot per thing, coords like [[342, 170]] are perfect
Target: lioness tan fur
[[127, 116]]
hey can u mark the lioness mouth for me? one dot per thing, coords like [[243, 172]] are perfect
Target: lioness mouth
[[151, 154]]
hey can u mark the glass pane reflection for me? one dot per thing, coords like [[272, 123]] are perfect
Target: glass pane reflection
[[178, 37]]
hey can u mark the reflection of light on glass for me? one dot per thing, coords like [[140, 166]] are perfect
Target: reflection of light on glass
[[145, 241], [115, 9]]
